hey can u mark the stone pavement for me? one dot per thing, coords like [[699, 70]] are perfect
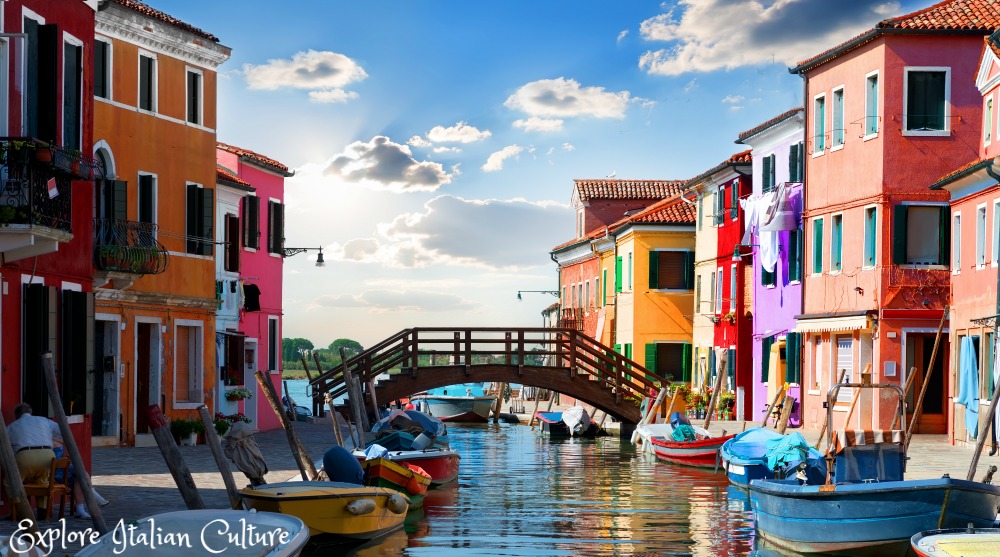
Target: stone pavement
[[138, 484]]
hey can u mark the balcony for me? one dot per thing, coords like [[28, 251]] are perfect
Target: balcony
[[571, 318], [125, 250], [35, 195]]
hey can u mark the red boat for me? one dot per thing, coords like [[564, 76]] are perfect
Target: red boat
[[700, 452], [441, 464]]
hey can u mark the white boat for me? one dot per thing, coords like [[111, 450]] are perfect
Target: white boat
[[204, 532], [469, 407]]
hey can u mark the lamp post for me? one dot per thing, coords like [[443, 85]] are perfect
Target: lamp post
[[288, 252], [553, 292], [737, 256]]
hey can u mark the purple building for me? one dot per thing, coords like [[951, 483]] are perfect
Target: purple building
[[777, 153]]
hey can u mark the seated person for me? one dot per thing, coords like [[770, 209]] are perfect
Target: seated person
[[81, 506], [32, 438]]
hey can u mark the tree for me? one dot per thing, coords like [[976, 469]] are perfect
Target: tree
[[293, 348], [351, 347]]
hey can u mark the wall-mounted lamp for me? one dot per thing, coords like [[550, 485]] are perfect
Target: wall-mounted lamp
[[737, 256], [294, 251], [859, 290], [553, 292]]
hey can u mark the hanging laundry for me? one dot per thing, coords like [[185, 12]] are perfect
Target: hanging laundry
[[251, 295], [968, 378]]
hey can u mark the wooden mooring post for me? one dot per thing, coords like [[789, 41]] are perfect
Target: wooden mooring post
[[212, 440], [172, 456], [302, 460]]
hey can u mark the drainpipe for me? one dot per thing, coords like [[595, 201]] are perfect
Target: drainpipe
[[684, 199], [993, 174], [802, 212]]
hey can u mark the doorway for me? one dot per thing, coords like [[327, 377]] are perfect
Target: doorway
[[919, 348], [147, 372], [250, 380], [107, 411]]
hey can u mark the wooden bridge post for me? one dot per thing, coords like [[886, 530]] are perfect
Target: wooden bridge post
[[455, 359], [520, 352], [572, 354], [415, 348], [507, 351], [499, 403], [468, 352]]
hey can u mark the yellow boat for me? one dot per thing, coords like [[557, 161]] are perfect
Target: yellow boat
[[333, 508]]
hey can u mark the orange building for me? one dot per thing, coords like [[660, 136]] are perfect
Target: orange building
[[154, 133]]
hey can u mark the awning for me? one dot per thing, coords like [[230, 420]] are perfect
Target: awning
[[838, 323]]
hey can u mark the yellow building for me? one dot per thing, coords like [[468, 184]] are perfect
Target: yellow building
[[154, 133]]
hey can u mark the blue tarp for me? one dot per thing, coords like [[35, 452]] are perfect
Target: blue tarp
[[683, 432], [786, 450], [968, 380], [750, 445]]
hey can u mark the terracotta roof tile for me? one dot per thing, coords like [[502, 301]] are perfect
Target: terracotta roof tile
[[741, 158], [627, 189], [772, 122], [960, 16], [223, 173], [157, 14], [257, 158], [960, 172], [993, 42], [668, 211]]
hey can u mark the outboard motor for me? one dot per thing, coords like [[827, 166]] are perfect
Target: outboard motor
[[341, 466], [678, 418]]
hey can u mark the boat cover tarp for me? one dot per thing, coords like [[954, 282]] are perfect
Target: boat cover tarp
[[239, 446], [410, 421], [341, 466], [751, 444], [683, 432], [576, 419], [786, 450]]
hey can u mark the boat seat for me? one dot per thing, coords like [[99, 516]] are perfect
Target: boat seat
[[868, 456]]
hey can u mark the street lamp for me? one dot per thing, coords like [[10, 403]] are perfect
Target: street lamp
[[737, 256], [553, 292], [294, 251]]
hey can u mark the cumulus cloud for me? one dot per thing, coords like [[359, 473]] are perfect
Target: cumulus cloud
[[565, 98], [622, 35], [495, 161], [459, 133], [326, 74], [491, 234], [708, 35], [407, 300], [568, 147], [417, 141], [536, 124], [383, 164], [733, 99], [447, 150]]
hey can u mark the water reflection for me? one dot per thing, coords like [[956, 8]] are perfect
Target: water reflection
[[522, 494]]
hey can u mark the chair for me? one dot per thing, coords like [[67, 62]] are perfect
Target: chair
[[54, 487]]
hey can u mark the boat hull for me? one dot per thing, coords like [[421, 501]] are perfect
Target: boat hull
[[403, 477], [700, 453], [466, 409], [867, 517], [440, 464], [325, 507], [979, 542], [552, 424]]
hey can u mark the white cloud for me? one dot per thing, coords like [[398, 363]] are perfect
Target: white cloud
[[447, 150], [459, 133], [536, 124], [733, 99], [326, 74], [565, 98], [622, 35], [568, 147], [495, 161], [417, 141], [711, 35], [383, 164], [405, 300]]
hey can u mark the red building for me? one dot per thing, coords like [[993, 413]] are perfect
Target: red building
[[46, 206]]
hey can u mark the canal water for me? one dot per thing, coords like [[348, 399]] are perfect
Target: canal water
[[521, 493]]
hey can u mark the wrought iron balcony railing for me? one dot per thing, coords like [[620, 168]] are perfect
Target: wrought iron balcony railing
[[34, 190], [128, 247]]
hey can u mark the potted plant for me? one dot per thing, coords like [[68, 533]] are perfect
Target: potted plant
[[239, 393], [726, 402], [221, 425], [43, 154], [730, 317], [184, 431]]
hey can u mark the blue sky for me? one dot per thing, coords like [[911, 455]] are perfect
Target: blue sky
[[435, 143]]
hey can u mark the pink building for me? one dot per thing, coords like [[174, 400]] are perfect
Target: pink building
[[886, 114], [256, 229]]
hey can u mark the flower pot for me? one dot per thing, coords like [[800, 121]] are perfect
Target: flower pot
[[43, 155], [190, 440]]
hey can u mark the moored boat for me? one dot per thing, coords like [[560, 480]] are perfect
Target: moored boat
[[761, 453], [412, 437], [699, 452], [572, 422], [401, 476], [338, 509], [957, 542], [208, 531], [440, 464], [449, 405], [644, 432]]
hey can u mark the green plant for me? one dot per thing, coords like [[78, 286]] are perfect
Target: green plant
[[7, 214], [727, 400], [221, 426], [182, 428], [239, 393]]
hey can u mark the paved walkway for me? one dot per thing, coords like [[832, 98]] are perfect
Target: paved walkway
[[138, 484]]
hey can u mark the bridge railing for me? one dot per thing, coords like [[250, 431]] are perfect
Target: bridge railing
[[550, 348]]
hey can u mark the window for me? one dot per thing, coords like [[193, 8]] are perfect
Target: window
[[796, 166], [956, 238], [200, 213], [72, 94], [926, 92], [718, 291], [147, 82], [114, 200], [147, 198], [732, 288], [604, 287], [697, 294], [817, 245], [981, 236], [768, 278], [194, 96], [273, 343], [670, 269], [819, 124], [838, 117], [41, 81], [275, 227], [871, 104], [701, 210], [597, 290], [734, 202], [921, 235], [188, 363], [870, 234], [995, 235], [794, 255], [102, 68], [837, 243], [817, 362], [720, 206], [630, 271], [988, 121], [618, 274], [711, 292], [669, 359], [768, 174], [231, 261], [251, 221]]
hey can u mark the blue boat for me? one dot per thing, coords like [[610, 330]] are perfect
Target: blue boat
[[756, 453], [866, 508], [553, 424]]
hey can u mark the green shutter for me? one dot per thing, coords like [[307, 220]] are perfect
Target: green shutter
[[689, 270], [735, 201], [944, 237], [765, 360], [618, 274], [193, 246], [686, 363], [207, 214], [795, 255], [654, 269], [604, 287], [793, 359], [899, 235], [836, 249], [793, 162], [711, 363], [651, 357], [766, 185], [618, 348], [117, 203], [817, 246], [767, 278], [731, 363]]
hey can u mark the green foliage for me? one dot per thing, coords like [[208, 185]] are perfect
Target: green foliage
[[183, 427], [293, 348], [351, 347], [221, 426]]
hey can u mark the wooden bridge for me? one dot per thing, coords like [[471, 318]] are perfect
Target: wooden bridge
[[562, 360]]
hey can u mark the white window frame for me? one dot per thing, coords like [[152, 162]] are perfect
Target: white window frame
[[821, 132], [84, 57], [816, 344], [718, 291], [995, 247], [732, 287], [864, 249], [988, 119], [108, 66], [155, 85], [833, 218], [201, 95], [981, 215], [834, 146], [956, 241], [631, 261], [868, 111], [198, 361], [812, 246], [276, 348], [947, 99], [156, 199]]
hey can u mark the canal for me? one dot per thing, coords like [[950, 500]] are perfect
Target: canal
[[519, 493]]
